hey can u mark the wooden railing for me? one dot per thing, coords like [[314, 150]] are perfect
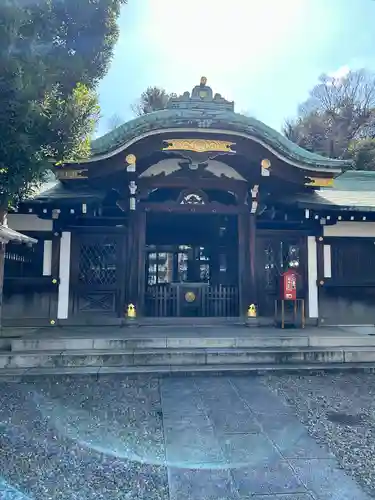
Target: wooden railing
[[212, 301], [161, 301]]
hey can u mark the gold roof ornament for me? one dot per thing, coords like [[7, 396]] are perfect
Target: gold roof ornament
[[203, 95], [319, 181], [265, 167], [131, 159]]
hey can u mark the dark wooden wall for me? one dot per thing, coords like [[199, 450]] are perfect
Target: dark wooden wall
[[348, 297], [30, 298]]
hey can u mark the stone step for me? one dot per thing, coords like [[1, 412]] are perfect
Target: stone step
[[61, 343], [16, 374], [182, 356]]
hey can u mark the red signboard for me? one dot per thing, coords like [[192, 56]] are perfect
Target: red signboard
[[289, 285]]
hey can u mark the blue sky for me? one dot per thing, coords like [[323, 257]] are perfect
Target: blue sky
[[263, 54]]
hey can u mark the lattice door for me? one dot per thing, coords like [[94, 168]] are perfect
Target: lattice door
[[98, 273]]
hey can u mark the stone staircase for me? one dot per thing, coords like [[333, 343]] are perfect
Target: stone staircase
[[138, 350]]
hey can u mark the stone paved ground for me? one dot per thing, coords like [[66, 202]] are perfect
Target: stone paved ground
[[175, 438], [339, 411]]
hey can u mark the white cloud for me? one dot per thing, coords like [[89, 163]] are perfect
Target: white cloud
[[224, 43], [340, 73]]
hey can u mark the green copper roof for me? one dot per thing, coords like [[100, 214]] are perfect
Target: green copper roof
[[334, 199], [56, 191], [358, 180], [204, 111], [352, 191], [222, 120]]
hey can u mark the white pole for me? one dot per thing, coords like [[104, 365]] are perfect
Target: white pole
[[312, 273], [63, 299], [47, 258], [327, 261]]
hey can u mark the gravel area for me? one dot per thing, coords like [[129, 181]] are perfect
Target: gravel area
[[120, 437], [338, 411], [78, 438]]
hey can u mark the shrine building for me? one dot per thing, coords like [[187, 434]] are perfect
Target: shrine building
[[194, 211]]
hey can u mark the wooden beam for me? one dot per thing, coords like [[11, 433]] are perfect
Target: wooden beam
[[211, 208], [193, 182]]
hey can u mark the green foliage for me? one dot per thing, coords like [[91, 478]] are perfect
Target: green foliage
[[69, 122], [152, 99], [311, 132], [363, 154], [52, 55]]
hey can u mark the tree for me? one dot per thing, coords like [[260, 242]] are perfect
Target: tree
[[52, 56], [363, 154], [310, 132], [337, 112], [152, 99], [114, 121]]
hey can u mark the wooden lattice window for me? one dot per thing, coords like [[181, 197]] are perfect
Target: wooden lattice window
[[98, 261]]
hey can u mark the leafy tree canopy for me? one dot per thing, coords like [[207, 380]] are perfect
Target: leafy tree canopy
[[152, 99], [363, 153], [52, 55]]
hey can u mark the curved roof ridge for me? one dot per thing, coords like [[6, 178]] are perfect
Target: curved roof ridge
[[206, 119]]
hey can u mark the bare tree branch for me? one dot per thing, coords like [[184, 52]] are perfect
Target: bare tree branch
[[342, 107]]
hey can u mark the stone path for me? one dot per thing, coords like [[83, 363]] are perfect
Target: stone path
[[175, 438], [232, 438]]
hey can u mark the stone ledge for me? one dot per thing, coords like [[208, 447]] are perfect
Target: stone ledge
[[18, 374]]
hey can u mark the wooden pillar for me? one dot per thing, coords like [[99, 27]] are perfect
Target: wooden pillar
[[253, 298], [55, 271], [55, 260], [132, 261], [136, 241], [244, 271], [247, 260], [247, 253], [123, 274], [141, 256], [136, 261]]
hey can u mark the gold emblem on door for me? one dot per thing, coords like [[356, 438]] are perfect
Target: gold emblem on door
[[190, 297]]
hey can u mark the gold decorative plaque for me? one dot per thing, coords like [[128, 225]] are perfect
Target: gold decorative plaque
[[199, 145], [131, 159], [189, 297], [64, 174], [319, 182]]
